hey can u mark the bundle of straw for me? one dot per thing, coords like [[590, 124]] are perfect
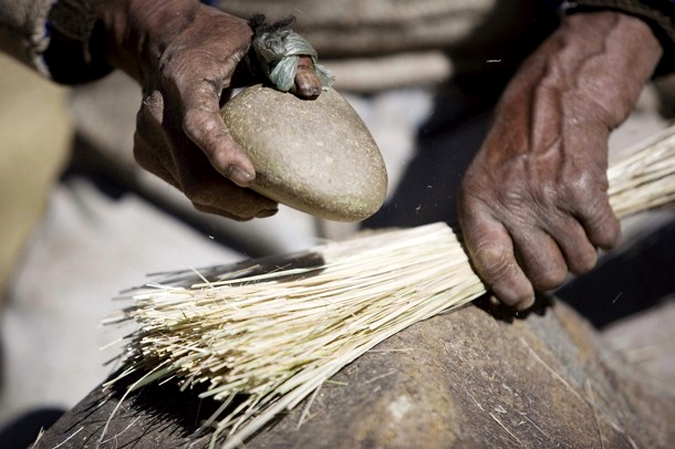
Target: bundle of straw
[[261, 340]]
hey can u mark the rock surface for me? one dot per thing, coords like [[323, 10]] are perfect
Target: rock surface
[[316, 156], [474, 378]]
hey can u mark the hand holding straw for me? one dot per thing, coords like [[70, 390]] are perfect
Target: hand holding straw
[[262, 340]]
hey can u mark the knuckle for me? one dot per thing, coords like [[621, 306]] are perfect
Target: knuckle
[[173, 65], [200, 120], [585, 187], [525, 302], [603, 228], [519, 295], [200, 126], [512, 300], [548, 278], [547, 198], [493, 262], [608, 230], [584, 263], [195, 120]]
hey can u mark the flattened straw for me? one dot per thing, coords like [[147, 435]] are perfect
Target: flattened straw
[[273, 338]]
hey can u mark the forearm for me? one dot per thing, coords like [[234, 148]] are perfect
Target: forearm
[[595, 62], [659, 15]]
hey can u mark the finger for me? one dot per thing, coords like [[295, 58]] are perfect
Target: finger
[[217, 211], [588, 201], [204, 126], [210, 191], [492, 253], [215, 194], [307, 84], [151, 147], [601, 225], [207, 188], [540, 258], [151, 160], [579, 253], [207, 130]]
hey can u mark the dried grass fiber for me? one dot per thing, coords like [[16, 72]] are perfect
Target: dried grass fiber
[[263, 335]]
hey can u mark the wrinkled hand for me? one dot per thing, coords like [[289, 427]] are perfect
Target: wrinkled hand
[[533, 204], [184, 55]]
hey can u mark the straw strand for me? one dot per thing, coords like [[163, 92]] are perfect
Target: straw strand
[[272, 338]]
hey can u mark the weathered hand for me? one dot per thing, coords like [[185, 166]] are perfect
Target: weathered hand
[[533, 204], [184, 55]]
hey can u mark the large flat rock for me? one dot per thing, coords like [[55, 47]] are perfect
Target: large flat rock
[[478, 377]]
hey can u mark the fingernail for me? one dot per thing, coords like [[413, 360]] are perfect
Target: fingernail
[[307, 84], [525, 304], [311, 92], [310, 87], [239, 176], [266, 213]]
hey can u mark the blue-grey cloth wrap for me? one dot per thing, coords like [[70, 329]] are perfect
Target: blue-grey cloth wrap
[[278, 53]]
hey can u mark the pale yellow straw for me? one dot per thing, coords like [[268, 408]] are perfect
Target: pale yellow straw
[[261, 343]]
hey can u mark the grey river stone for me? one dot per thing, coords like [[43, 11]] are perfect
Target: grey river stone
[[316, 156]]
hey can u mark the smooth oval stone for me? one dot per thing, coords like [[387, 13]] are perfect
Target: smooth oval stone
[[316, 156]]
